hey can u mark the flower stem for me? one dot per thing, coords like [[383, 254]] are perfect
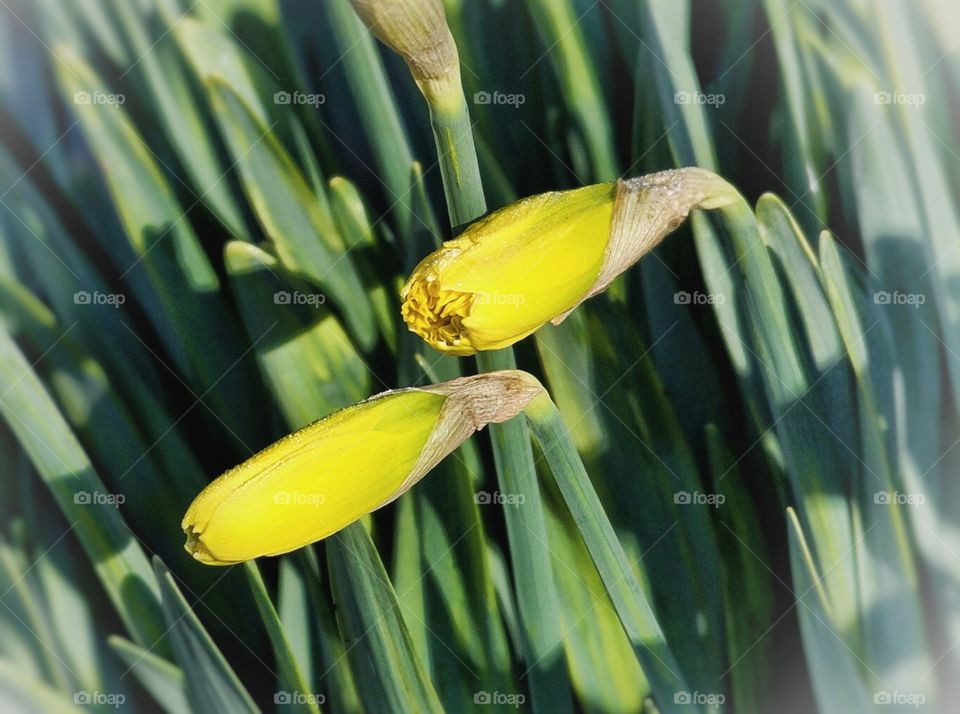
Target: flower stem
[[457, 155], [537, 598], [615, 570]]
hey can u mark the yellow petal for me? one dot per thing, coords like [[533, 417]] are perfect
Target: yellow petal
[[313, 482], [511, 272], [327, 475]]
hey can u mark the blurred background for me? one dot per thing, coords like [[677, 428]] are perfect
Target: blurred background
[[207, 209]]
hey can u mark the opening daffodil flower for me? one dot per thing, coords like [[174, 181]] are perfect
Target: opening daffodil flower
[[534, 261], [322, 478]]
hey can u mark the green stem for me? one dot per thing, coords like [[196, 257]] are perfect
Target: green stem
[[606, 550], [537, 598], [458, 160]]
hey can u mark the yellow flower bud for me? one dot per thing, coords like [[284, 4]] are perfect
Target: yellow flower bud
[[534, 261], [329, 474]]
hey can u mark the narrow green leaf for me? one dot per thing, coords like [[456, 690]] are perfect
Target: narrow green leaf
[[190, 314], [625, 591], [453, 545], [747, 583], [59, 459], [73, 615], [933, 190], [293, 609], [815, 459], [64, 272], [211, 683], [408, 578], [20, 693], [393, 677], [23, 602], [212, 53], [604, 672], [834, 668], [559, 25], [677, 343], [161, 73], [452, 541], [152, 469], [376, 111], [568, 362], [803, 146], [895, 243], [290, 678], [304, 604], [164, 681], [648, 471], [307, 359], [892, 612], [347, 206], [287, 209]]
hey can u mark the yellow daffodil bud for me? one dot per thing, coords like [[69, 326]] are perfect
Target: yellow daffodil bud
[[534, 261], [417, 30], [329, 474]]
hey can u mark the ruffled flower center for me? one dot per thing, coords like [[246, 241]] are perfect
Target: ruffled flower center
[[437, 315]]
